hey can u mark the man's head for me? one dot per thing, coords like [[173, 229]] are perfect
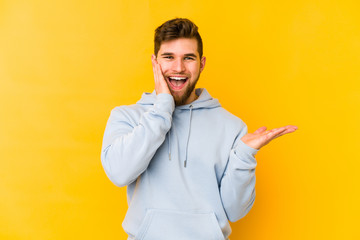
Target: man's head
[[178, 50], [177, 28]]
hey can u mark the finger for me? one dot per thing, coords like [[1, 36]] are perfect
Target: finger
[[260, 130], [274, 130], [153, 63], [153, 59], [291, 126], [159, 74], [273, 133], [156, 74], [154, 71], [287, 130]]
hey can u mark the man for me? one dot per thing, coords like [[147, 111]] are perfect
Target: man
[[188, 164]]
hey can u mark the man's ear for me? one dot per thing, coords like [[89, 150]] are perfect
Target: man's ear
[[202, 63]]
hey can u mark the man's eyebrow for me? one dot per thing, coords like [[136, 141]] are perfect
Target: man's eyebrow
[[186, 54], [191, 55], [166, 54]]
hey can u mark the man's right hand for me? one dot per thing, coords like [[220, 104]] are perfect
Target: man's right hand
[[160, 82]]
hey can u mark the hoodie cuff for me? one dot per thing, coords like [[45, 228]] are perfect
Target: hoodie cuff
[[165, 103], [246, 149], [247, 155]]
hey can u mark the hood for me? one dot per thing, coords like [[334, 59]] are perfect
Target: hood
[[204, 100]]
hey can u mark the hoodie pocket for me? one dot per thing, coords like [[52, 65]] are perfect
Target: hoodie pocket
[[175, 225]]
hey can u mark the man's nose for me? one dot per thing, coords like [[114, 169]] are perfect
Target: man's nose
[[178, 65]]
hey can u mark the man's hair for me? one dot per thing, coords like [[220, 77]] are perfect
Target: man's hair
[[174, 29]]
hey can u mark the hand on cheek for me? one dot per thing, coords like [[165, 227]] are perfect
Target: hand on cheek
[[160, 82]]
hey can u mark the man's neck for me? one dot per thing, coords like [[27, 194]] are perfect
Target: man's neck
[[193, 96]]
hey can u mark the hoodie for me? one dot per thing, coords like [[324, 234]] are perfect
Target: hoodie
[[186, 169]]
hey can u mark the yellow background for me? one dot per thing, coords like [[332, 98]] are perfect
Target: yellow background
[[65, 64]]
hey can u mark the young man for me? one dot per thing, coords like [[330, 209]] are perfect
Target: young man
[[188, 164]]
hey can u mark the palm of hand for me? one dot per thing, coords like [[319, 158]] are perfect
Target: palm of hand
[[261, 137]]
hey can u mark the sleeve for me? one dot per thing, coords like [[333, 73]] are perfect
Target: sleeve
[[127, 150], [237, 187]]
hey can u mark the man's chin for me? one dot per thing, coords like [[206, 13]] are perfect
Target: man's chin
[[179, 100]]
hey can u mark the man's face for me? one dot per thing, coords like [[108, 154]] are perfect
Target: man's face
[[181, 66]]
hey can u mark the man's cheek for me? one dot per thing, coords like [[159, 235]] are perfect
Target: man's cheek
[[162, 67]]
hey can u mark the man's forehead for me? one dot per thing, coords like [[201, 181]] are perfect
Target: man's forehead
[[181, 46]]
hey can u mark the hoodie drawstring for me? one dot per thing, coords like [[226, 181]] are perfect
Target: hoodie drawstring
[[187, 141], [169, 144]]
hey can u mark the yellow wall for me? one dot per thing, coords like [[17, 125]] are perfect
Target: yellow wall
[[65, 64]]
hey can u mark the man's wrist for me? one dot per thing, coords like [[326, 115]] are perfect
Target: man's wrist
[[165, 102], [247, 149]]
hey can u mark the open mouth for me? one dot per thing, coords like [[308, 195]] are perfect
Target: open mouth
[[177, 82]]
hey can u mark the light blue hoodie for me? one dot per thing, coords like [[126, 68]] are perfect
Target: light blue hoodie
[[186, 170]]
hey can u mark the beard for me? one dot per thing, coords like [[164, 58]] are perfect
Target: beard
[[181, 100]]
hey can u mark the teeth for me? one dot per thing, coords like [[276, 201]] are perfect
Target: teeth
[[178, 78]]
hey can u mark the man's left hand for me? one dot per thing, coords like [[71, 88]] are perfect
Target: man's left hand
[[261, 137]]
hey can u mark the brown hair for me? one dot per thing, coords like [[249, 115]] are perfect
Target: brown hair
[[174, 29]]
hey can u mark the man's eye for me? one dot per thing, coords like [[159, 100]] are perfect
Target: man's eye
[[168, 57], [189, 58]]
